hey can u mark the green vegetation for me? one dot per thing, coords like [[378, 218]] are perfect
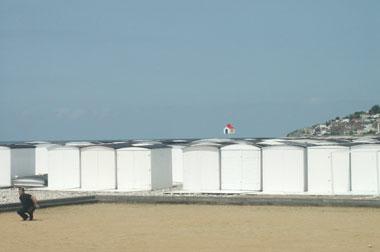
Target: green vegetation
[[356, 115], [374, 110]]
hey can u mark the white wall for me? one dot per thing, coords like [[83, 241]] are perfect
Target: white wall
[[140, 168], [42, 158], [201, 168], [365, 169], [241, 168], [23, 162], [5, 167], [161, 168], [98, 168], [328, 169], [64, 168], [177, 164], [134, 169], [283, 169]]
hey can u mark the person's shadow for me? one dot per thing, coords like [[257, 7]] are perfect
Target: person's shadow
[[34, 220]]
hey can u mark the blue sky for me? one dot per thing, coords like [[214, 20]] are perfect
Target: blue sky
[[161, 69]]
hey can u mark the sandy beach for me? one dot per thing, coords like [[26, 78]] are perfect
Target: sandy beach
[[141, 227]]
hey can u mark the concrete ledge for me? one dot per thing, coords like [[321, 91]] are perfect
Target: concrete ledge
[[52, 203], [240, 200], [206, 200], [5, 187]]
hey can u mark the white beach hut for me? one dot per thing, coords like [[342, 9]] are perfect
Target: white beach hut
[[284, 168], [42, 158], [23, 160], [5, 166], [98, 168], [328, 169], [240, 167], [64, 167], [201, 167], [365, 165], [144, 168]]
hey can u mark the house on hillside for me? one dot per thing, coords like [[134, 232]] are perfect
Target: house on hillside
[[364, 116], [229, 129], [320, 130]]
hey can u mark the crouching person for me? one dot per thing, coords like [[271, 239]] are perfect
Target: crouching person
[[29, 204]]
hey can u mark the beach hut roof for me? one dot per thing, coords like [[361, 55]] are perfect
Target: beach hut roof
[[21, 146], [82, 143], [145, 147], [365, 146], [240, 146]]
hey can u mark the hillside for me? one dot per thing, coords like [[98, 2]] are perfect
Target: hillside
[[359, 123]]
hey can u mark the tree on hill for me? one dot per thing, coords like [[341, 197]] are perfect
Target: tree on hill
[[374, 110], [356, 115]]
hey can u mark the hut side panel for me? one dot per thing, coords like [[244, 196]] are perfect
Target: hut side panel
[[42, 160], [161, 168], [191, 174], [341, 172], [201, 169], [142, 170], [251, 170], [5, 167], [177, 165], [241, 170], [23, 162], [64, 168], [328, 170], [72, 168], [89, 170], [133, 170], [283, 170], [106, 169], [231, 170], [364, 171], [210, 172], [125, 174], [98, 170]]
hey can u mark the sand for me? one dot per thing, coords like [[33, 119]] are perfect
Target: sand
[[134, 227]]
